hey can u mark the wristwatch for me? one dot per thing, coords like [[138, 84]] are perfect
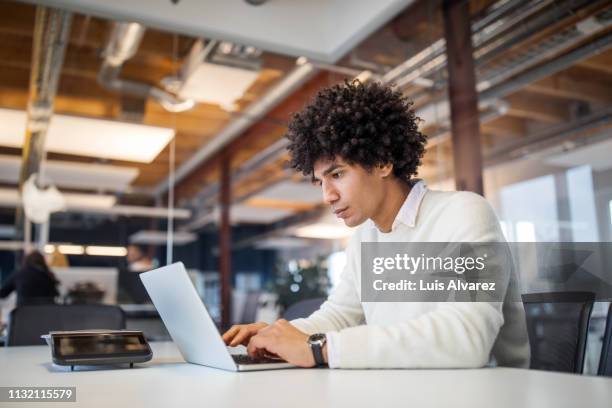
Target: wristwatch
[[316, 342]]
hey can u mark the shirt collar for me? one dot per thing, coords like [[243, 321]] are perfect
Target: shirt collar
[[410, 208]]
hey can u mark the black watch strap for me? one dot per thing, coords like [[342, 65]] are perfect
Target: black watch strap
[[317, 351], [316, 343]]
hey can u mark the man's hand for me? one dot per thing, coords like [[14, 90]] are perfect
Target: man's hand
[[283, 340], [242, 333]]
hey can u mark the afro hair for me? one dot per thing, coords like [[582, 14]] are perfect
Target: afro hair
[[366, 124]]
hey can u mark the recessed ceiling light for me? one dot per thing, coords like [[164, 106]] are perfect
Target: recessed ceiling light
[[323, 231], [90, 137], [105, 250], [71, 249]]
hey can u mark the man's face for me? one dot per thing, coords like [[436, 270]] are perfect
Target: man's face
[[353, 193]]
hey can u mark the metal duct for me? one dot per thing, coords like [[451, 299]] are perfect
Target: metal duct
[[124, 41], [552, 138], [51, 29], [489, 40], [433, 57], [495, 85]]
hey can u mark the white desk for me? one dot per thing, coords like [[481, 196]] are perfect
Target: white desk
[[167, 381]]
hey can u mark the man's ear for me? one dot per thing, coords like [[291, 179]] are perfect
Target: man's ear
[[384, 170]]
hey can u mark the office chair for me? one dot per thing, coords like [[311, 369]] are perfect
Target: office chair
[[131, 289], [249, 312], [557, 325], [28, 323], [303, 308], [605, 361]]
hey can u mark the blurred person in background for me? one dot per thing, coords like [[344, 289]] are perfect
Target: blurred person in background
[[34, 282], [138, 260]]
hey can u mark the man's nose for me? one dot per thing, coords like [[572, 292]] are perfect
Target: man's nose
[[330, 195]]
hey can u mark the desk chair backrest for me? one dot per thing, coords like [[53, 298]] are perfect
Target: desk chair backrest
[[249, 312], [131, 289], [303, 308], [557, 325], [605, 362], [27, 323]]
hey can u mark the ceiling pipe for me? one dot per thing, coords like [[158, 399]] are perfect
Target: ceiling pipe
[[362, 75], [493, 88], [554, 138], [489, 40], [549, 68], [51, 29], [433, 57], [123, 43], [554, 45]]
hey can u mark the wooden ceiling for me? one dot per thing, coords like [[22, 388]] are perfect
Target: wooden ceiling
[[80, 94], [549, 101]]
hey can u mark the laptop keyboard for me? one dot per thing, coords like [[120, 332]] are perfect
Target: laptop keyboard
[[246, 359]]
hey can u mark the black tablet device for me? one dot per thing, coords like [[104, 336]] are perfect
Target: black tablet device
[[95, 347]]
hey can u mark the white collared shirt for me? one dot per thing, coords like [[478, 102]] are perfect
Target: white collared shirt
[[421, 334], [409, 210]]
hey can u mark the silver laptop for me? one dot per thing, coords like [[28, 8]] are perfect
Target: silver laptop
[[190, 324]]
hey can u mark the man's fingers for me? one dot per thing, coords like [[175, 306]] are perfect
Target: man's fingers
[[228, 335], [252, 346], [257, 346], [241, 337], [241, 333]]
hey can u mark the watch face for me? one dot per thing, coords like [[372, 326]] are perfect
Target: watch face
[[316, 338]]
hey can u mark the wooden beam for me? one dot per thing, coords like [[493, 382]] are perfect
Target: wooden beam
[[601, 63], [529, 106], [225, 250], [572, 87], [463, 96], [505, 126]]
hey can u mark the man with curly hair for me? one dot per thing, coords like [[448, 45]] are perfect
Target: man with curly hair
[[362, 145]]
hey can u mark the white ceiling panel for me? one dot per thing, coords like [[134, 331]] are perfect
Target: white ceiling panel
[[90, 137], [323, 30]]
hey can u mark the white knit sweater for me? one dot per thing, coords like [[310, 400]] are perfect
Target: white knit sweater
[[421, 334]]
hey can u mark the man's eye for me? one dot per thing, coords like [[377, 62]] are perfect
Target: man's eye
[[337, 175]]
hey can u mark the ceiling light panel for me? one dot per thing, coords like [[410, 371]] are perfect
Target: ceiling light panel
[[217, 84], [323, 231], [90, 137]]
